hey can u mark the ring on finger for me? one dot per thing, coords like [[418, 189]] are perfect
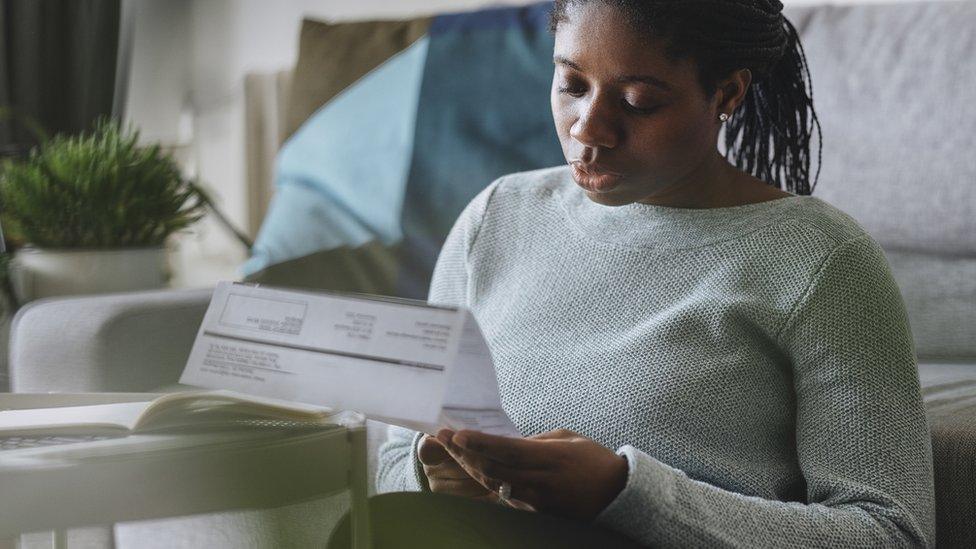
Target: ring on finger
[[505, 492]]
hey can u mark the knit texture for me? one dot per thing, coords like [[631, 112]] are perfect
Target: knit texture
[[754, 364]]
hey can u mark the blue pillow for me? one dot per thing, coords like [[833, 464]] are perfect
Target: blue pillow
[[368, 188]]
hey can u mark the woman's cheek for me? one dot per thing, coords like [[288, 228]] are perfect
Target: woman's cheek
[[563, 121], [676, 146], [560, 112]]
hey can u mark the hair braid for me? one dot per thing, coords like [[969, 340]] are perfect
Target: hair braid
[[769, 134]]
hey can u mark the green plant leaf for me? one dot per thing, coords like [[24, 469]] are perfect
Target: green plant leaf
[[97, 190]]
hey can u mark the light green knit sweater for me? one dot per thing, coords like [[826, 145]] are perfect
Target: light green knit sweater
[[754, 363]]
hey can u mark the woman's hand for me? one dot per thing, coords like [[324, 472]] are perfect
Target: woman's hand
[[559, 472], [444, 474]]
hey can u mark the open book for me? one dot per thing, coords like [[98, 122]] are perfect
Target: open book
[[192, 410]]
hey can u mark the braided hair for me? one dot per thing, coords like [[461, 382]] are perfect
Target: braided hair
[[769, 135]]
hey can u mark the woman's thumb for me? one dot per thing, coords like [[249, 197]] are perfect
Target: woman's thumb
[[432, 452]]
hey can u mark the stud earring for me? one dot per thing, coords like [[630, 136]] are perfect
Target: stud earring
[[723, 117]]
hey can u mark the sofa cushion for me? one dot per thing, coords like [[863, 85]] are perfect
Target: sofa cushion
[[940, 296], [335, 55], [334, 220], [369, 185], [893, 89]]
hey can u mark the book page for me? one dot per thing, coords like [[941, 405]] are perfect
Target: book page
[[197, 409], [217, 409], [119, 417], [200, 401]]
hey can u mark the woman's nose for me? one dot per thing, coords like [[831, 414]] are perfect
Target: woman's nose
[[596, 125]]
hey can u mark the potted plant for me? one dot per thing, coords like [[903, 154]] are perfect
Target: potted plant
[[92, 213]]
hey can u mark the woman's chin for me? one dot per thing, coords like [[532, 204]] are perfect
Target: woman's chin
[[608, 199]]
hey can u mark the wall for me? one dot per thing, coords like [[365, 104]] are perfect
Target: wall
[[189, 61]]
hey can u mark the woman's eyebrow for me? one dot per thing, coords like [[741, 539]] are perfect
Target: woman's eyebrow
[[628, 79], [560, 60]]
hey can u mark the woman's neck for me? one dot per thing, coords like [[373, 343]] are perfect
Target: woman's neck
[[716, 184]]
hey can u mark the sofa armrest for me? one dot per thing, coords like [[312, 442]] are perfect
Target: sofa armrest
[[135, 341], [949, 391]]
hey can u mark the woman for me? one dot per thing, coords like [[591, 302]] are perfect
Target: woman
[[699, 353]]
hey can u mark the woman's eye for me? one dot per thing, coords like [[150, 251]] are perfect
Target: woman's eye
[[639, 110], [573, 91]]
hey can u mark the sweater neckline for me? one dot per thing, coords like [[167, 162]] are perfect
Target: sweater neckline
[[667, 227]]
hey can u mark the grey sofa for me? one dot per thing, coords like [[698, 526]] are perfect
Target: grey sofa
[[895, 90]]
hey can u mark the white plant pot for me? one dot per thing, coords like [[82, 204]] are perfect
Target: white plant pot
[[38, 273]]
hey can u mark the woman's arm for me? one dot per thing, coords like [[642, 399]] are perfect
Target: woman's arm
[[862, 440], [398, 469]]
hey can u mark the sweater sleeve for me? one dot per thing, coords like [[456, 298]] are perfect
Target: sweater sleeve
[[862, 439], [398, 468]]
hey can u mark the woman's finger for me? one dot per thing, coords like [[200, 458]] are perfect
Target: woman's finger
[[558, 434], [452, 478], [522, 504], [522, 496], [431, 451], [517, 452], [444, 436], [490, 472], [466, 487], [488, 497], [447, 469]]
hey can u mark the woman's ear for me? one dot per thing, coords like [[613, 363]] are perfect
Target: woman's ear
[[732, 91]]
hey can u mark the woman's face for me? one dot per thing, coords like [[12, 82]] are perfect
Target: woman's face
[[633, 125]]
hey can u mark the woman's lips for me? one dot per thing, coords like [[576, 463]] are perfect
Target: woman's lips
[[595, 180]]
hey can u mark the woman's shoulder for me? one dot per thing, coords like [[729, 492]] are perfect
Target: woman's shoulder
[[518, 188], [827, 244], [534, 192], [541, 183], [517, 193], [513, 196], [813, 214], [528, 193], [835, 226]]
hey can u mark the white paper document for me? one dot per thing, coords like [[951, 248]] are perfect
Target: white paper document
[[398, 361]]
